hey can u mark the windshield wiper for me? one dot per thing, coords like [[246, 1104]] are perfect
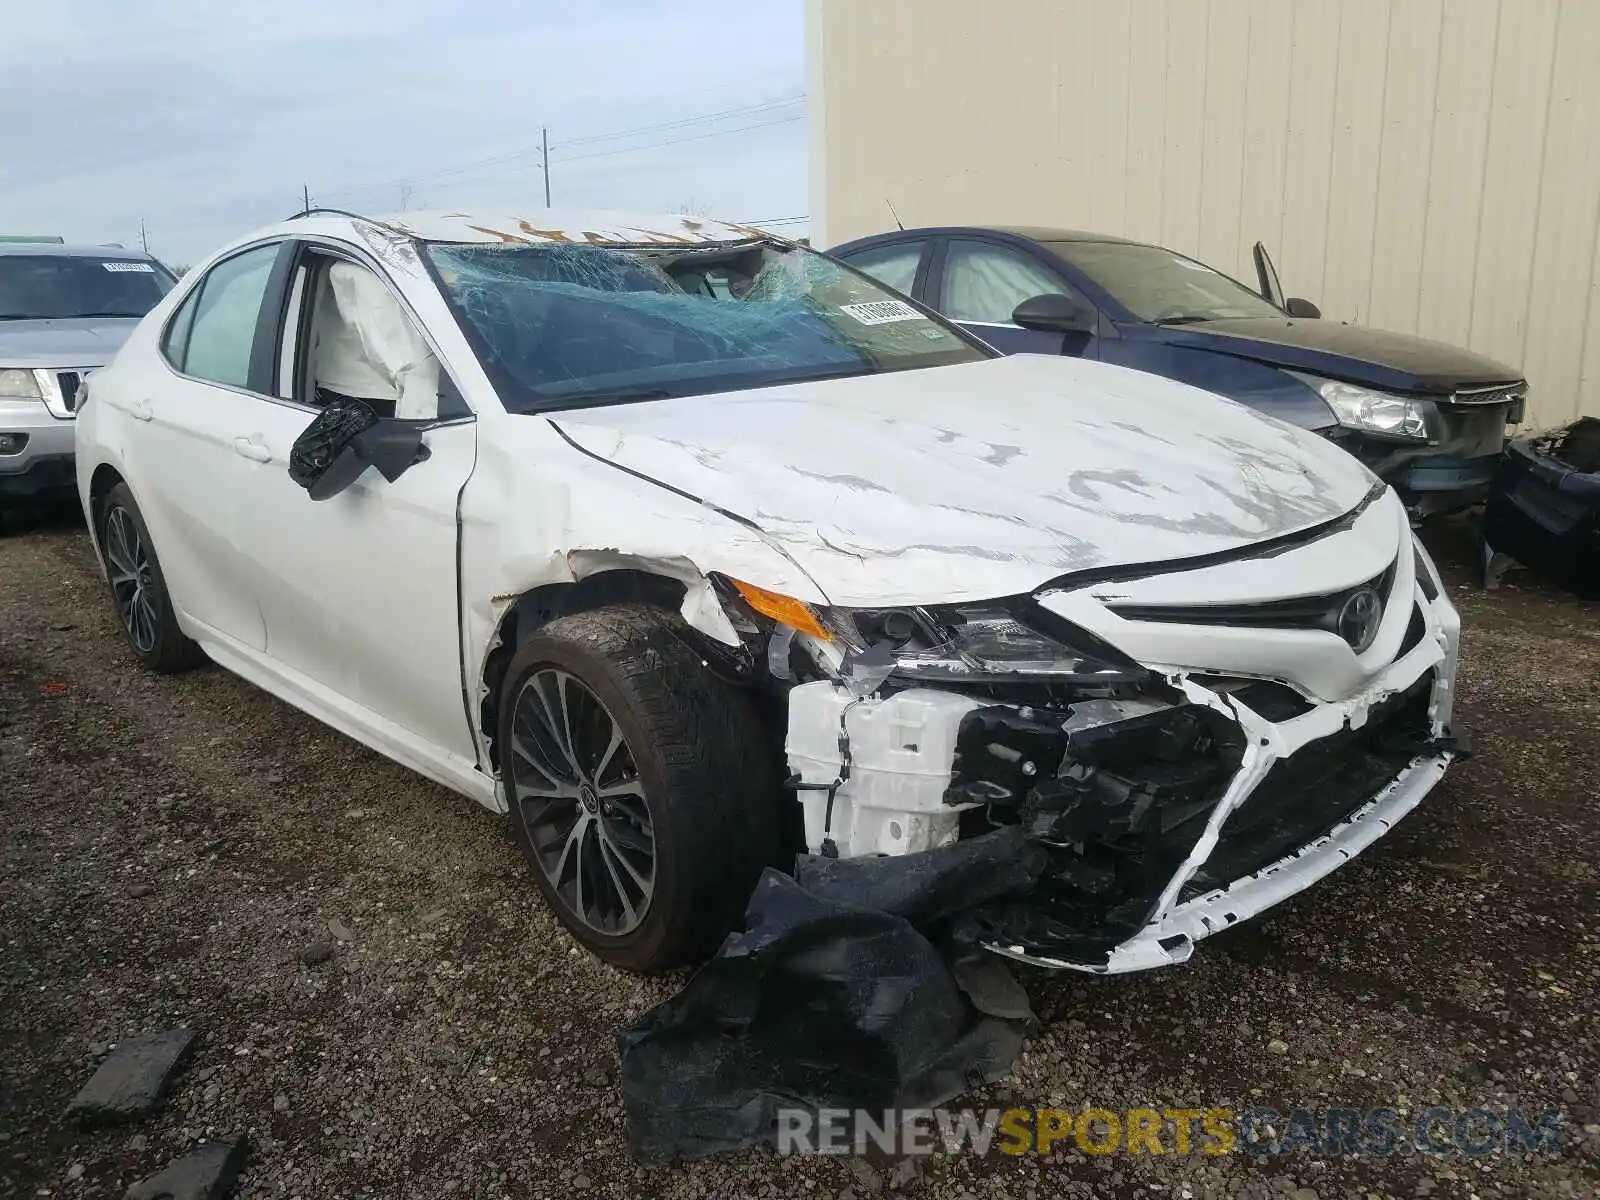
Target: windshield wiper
[[81, 316], [1184, 319]]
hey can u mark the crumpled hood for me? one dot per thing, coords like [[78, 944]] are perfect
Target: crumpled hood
[[984, 479], [82, 342]]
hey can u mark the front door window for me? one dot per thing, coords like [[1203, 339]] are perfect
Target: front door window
[[985, 283]]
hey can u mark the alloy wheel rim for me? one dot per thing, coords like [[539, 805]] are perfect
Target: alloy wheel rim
[[132, 580], [576, 788]]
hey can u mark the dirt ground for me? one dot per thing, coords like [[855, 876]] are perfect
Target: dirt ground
[[176, 849]]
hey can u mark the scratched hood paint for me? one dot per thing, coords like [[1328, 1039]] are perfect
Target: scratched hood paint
[[984, 479]]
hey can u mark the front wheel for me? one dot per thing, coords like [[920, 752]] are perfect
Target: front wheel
[[642, 789], [139, 590]]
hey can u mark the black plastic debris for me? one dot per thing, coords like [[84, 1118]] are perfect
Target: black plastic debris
[[1544, 508], [848, 990]]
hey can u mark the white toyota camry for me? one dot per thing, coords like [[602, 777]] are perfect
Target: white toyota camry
[[691, 548]]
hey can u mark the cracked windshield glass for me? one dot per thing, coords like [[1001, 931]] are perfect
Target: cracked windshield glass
[[564, 326]]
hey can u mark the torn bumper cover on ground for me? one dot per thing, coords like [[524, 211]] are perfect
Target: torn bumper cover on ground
[[848, 990]]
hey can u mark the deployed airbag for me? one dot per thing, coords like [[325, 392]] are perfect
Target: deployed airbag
[[367, 347]]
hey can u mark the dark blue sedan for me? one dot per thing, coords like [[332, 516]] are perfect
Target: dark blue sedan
[[1427, 417]]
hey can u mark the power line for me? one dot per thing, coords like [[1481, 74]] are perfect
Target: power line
[[541, 152], [778, 221], [742, 111], [699, 137]]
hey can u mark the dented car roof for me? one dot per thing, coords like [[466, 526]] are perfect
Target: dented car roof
[[568, 227]]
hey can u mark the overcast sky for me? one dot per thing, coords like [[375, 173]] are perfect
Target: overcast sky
[[205, 118]]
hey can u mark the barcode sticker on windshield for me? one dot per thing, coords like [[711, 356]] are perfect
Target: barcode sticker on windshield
[[882, 312], [129, 266]]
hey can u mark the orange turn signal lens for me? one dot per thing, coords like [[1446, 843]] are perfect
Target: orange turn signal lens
[[784, 609]]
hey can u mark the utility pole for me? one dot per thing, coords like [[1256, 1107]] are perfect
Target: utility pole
[[144, 238], [544, 150], [305, 198]]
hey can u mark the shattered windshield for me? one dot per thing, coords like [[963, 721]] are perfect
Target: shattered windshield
[[561, 326], [61, 286]]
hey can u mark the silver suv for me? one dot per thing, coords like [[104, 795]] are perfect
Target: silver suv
[[64, 310]]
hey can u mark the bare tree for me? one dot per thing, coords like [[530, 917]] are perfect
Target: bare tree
[[694, 207]]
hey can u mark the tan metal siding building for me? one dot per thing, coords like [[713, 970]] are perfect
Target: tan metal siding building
[[1427, 166]]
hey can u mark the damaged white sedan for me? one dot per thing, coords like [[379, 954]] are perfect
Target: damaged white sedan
[[691, 549]]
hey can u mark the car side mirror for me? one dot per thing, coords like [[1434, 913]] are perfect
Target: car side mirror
[[346, 438], [1053, 312], [1296, 307]]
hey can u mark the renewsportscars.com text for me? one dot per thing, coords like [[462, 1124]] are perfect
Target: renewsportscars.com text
[[1473, 1132]]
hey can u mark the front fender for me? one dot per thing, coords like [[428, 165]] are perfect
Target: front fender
[[536, 511], [1254, 384]]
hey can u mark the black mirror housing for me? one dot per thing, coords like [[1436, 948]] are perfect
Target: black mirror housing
[[1053, 312], [346, 438], [323, 459], [1296, 307]]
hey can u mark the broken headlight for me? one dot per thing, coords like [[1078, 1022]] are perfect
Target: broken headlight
[[975, 644], [1012, 640]]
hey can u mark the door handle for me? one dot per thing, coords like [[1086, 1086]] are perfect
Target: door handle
[[251, 449], [140, 410]]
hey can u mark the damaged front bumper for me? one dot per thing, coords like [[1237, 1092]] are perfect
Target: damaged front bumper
[[1165, 814], [1171, 939]]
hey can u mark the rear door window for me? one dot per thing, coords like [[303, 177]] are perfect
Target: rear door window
[[214, 332]]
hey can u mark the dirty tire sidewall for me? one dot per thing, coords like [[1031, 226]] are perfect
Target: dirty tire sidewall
[[173, 651], [711, 780]]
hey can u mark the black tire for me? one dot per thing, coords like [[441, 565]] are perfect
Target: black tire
[[151, 630], [709, 779]]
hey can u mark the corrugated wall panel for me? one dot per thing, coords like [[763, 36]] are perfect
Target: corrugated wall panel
[[1183, 146], [1362, 60], [1411, 86], [1431, 166], [1519, 104], [1455, 173], [1146, 118], [1308, 179], [1220, 198], [1269, 88], [1568, 218]]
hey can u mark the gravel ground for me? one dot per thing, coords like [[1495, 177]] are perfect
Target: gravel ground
[[387, 1009]]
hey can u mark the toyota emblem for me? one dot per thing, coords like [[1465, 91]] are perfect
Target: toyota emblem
[[1359, 619]]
